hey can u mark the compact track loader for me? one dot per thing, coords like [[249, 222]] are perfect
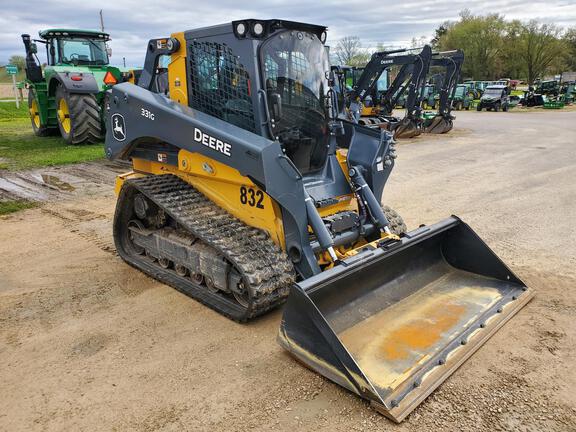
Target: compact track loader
[[248, 191]]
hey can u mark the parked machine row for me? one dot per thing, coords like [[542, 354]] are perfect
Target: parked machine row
[[408, 90]]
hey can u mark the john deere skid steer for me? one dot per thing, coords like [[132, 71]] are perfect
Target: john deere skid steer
[[248, 191]]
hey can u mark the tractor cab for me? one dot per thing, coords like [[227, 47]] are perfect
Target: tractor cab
[[75, 47]]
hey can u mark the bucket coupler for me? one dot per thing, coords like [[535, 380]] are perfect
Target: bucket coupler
[[394, 321]]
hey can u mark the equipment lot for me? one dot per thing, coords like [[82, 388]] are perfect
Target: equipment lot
[[88, 343]]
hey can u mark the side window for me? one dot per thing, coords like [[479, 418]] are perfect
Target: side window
[[220, 85]]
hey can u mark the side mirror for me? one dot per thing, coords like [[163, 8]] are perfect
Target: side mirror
[[276, 106], [33, 48], [109, 51]]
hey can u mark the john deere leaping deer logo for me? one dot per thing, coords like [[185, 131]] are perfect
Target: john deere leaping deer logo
[[118, 127]]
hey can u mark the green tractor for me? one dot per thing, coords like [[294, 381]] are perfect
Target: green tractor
[[463, 97], [429, 97], [68, 94], [477, 87]]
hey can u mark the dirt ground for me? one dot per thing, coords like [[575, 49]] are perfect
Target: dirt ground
[[88, 343], [6, 90]]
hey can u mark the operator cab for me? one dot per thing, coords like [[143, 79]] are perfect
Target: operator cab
[[294, 67], [75, 47], [494, 92], [460, 91], [269, 77]]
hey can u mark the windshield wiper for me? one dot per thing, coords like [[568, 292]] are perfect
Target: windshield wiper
[[94, 44]]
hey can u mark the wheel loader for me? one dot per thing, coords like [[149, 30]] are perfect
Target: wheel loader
[[247, 191]]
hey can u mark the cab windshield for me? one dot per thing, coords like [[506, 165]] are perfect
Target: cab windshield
[[493, 92], [294, 66], [82, 51], [459, 91]]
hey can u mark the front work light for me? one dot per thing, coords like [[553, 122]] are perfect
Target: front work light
[[258, 29]]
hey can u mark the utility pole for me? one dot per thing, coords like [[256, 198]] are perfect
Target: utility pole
[[15, 91], [124, 61], [101, 22]]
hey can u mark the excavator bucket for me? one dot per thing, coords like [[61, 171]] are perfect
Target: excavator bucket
[[407, 128], [394, 321], [439, 125]]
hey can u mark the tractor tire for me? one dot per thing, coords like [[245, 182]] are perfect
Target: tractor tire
[[497, 107], [505, 107], [33, 109], [79, 117], [479, 108], [397, 225]]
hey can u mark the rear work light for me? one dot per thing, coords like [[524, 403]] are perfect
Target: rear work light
[[109, 79]]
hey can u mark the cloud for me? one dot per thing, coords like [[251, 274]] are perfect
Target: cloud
[[131, 23]]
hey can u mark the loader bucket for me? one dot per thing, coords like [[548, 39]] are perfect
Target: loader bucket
[[394, 321], [439, 125]]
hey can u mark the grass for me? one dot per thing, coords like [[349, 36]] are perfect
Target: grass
[[21, 149], [7, 207], [8, 111]]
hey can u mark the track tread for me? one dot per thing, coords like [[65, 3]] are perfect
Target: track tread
[[397, 225], [264, 266]]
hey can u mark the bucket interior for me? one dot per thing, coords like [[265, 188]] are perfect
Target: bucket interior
[[397, 315]]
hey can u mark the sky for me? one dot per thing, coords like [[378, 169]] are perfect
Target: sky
[[132, 23]]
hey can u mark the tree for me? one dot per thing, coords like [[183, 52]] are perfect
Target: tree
[[418, 42], [347, 48], [438, 34], [482, 40], [540, 48], [569, 40], [510, 61], [360, 60], [19, 61]]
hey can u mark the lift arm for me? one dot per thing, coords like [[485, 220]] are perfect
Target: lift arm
[[414, 66], [452, 61]]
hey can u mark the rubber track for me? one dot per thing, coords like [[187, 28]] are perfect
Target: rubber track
[[397, 225], [265, 268], [85, 117]]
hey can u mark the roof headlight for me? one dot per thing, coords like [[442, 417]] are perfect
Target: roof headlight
[[241, 29], [258, 29]]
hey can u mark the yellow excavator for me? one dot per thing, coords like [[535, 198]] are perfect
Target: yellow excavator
[[248, 191]]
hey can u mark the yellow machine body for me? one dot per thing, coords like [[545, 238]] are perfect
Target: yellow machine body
[[222, 184]]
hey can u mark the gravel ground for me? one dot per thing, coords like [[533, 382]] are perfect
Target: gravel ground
[[89, 343]]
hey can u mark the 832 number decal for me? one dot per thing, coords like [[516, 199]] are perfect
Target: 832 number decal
[[251, 197]]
